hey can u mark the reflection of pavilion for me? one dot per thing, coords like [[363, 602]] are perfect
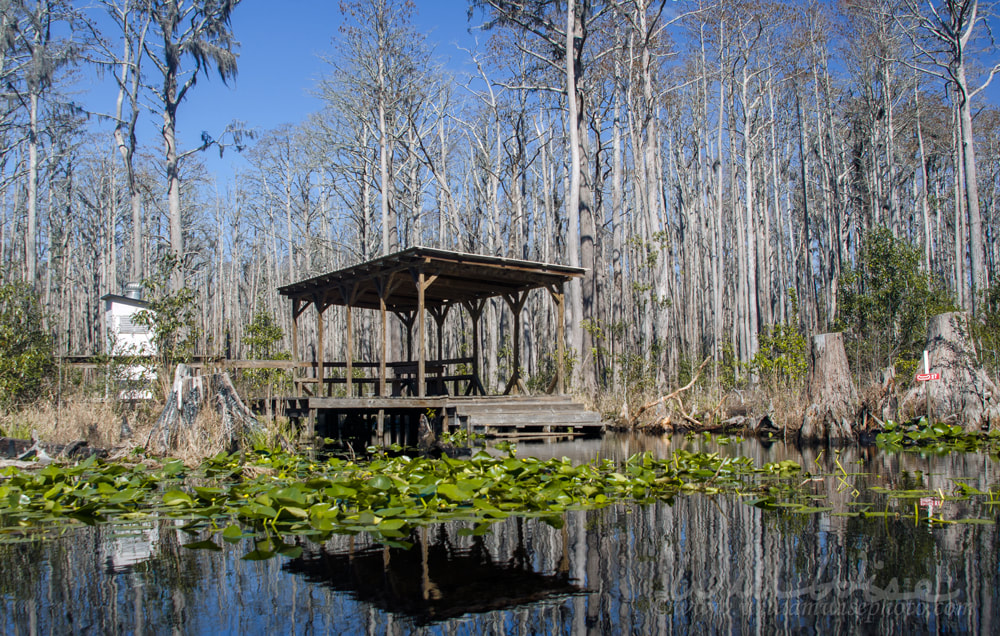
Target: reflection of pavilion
[[433, 580], [413, 284]]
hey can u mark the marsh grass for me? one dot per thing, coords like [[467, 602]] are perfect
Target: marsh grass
[[709, 406], [125, 428], [81, 418]]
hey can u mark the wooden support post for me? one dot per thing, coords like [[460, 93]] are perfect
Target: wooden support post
[[349, 351], [423, 281], [516, 303], [422, 335], [385, 352], [475, 309], [295, 346], [320, 349], [298, 306], [556, 291]]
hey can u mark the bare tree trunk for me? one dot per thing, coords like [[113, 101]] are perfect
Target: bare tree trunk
[[964, 394], [388, 223], [31, 235], [832, 396], [573, 203], [977, 258], [173, 181], [924, 210]]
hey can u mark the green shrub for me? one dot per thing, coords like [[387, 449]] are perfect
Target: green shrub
[[171, 316], [986, 328], [261, 337], [26, 356], [885, 301], [782, 361]]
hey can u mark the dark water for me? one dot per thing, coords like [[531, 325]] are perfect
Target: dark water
[[703, 564]]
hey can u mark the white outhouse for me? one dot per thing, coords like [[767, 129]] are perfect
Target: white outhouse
[[125, 336]]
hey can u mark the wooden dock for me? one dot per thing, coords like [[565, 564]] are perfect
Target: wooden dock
[[503, 416], [383, 397], [394, 419]]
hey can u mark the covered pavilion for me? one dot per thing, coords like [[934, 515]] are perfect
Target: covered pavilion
[[412, 283]]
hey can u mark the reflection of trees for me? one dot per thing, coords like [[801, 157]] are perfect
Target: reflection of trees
[[697, 563]]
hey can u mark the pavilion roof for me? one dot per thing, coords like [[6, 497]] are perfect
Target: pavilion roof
[[460, 277]]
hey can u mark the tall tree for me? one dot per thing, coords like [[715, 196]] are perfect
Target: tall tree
[[944, 34], [133, 23], [46, 53], [383, 61], [197, 31], [561, 36]]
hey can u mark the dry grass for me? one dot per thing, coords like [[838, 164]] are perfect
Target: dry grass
[[707, 405], [122, 428], [202, 439], [93, 420]]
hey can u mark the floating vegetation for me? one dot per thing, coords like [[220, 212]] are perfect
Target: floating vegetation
[[278, 494], [266, 495], [938, 438]]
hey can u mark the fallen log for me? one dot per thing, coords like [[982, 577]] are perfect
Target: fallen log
[[832, 397], [22, 450], [964, 394]]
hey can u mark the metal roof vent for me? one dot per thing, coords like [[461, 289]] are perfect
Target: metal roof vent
[[133, 291]]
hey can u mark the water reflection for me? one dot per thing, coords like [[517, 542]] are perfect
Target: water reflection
[[440, 577], [699, 563]]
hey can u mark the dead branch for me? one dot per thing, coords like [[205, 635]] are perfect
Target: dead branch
[[671, 396], [685, 415]]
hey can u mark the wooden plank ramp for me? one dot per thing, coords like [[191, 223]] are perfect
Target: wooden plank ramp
[[501, 416], [523, 415]]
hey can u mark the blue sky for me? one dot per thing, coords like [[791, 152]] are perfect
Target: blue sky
[[281, 45]]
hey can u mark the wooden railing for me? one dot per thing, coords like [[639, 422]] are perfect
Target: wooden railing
[[451, 375]]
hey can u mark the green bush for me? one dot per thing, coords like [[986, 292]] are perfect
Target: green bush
[[986, 328], [261, 337], [26, 356], [885, 301], [782, 362]]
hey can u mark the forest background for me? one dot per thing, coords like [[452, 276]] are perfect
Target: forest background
[[734, 176]]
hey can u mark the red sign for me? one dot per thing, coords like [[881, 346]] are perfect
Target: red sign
[[923, 377]]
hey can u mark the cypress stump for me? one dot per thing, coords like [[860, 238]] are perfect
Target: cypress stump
[[189, 396], [833, 400], [964, 395]]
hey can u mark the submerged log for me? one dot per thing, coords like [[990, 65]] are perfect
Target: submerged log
[[189, 395], [833, 400], [964, 394], [25, 449]]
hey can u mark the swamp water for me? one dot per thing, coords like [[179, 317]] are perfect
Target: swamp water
[[862, 540]]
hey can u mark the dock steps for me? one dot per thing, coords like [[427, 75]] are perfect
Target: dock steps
[[505, 416]]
